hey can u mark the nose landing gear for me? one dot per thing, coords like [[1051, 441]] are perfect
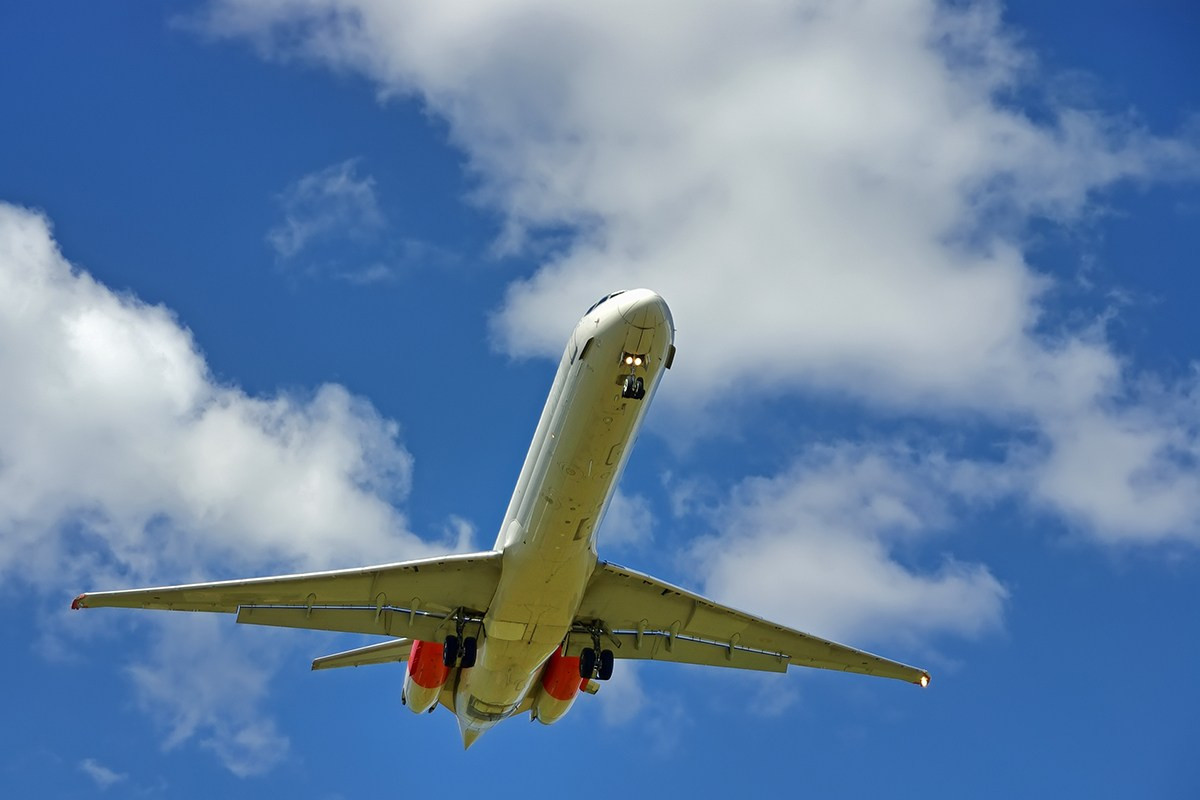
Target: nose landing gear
[[633, 388]]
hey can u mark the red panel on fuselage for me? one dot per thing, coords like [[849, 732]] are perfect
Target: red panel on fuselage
[[425, 665]]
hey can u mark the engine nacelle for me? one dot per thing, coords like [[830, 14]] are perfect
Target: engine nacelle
[[560, 684], [426, 676]]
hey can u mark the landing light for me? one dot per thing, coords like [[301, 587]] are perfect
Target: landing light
[[637, 362], [628, 359], [924, 681]]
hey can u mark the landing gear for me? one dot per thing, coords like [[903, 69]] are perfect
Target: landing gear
[[606, 665], [454, 647], [450, 651], [587, 663], [469, 648], [633, 388], [459, 651], [594, 663]]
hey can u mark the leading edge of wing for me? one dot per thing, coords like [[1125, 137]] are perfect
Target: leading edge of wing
[[443, 583], [630, 603]]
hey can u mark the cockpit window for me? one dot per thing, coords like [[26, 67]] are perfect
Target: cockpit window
[[601, 300]]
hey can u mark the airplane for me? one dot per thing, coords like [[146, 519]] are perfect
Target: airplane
[[527, 625]]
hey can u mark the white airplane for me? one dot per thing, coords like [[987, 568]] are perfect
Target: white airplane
[[530, 623]]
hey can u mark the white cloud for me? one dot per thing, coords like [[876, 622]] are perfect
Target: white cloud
[[831, 195], [114, 430], [823, 547], [205, 678], [122, 462], [331, 203], [628, 524], [100, 774], [622, 697]]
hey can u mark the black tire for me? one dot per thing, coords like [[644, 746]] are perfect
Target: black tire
[[450, 651], [469, 649], [606, 665], [587, 663]]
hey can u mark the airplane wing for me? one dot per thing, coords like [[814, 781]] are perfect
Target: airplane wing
[[414, 599], [647, 618]]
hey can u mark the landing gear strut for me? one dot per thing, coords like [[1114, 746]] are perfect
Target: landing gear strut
[[594, 662], [457, 646]]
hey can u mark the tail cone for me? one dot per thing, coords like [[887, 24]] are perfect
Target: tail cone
[[469, 735]]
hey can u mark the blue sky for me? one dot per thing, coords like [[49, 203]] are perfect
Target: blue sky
[[283, 285]]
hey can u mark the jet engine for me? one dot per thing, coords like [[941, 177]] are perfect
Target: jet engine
[[560, 684], [426, 676]]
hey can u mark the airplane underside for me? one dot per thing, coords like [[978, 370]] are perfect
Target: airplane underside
[[526, 626]]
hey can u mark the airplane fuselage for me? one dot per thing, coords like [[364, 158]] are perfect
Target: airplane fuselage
[[548, 536]]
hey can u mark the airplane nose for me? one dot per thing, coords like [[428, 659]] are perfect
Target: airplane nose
[[644, 309]]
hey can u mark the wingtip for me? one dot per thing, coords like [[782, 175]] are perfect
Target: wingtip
[[923, 681], [79, 602]]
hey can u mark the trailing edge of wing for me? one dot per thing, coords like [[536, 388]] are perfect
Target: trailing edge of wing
[[653, 619], [434, 585], [394, 651]]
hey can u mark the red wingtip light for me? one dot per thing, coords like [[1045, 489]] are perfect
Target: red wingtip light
[[77, 603]]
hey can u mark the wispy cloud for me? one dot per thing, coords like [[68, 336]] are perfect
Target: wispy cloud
[[333, 227], [100, 774], [331, 203], [206, 680]]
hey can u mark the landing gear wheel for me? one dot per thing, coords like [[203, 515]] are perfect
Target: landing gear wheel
[[587, 663], [469, 649], [450, 651], [606, 665], [633, 387]]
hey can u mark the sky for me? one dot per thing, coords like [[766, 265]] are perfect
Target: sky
[[283, 284]]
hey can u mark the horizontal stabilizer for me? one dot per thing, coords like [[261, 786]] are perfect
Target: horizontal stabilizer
[[395, 650]]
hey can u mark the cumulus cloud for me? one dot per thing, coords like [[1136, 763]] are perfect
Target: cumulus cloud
[[832, 196], [123, 461], [114, 430], [832, 544]]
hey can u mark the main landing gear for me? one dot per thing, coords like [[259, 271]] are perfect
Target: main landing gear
[[459, 650], [454, 648], [594, 662], [596, 666]]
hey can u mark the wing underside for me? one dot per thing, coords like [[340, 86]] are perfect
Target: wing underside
[[412, 599], [645, 618]]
